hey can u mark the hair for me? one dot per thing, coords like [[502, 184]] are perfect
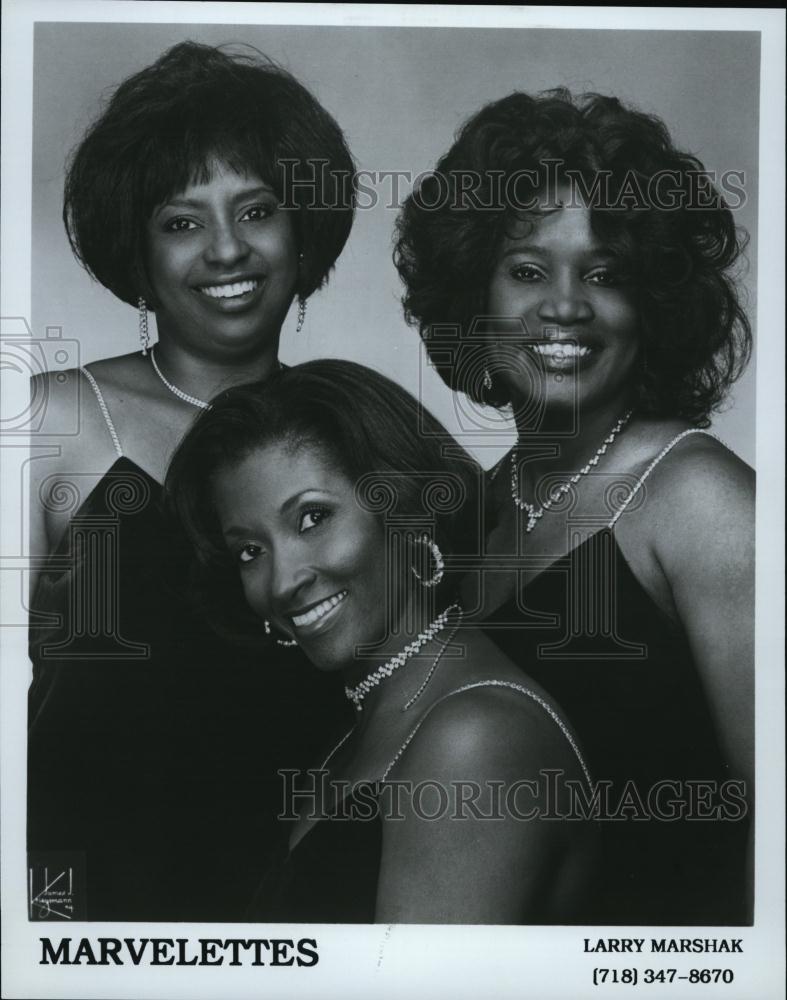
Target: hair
[[165, 127], [694, 334], [405, 465]]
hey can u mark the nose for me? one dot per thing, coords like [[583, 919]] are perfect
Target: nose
[[290, 579], [565, 302], [227, 245]]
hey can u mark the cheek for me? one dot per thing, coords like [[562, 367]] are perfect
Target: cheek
[[254, 591], [278, 245], [622, 317], [163, 265], [509, 299], [359, 552], [500, 297]]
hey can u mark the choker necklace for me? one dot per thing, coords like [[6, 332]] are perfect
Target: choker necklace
[[174, 389], [535, 513], [359, 692]]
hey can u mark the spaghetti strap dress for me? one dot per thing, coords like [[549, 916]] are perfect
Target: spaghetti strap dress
[[673, 820], [330, 875], [153, 744]]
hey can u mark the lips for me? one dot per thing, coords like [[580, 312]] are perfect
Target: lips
[[314, 616], [564, 351], [230, 289], [558, 350]]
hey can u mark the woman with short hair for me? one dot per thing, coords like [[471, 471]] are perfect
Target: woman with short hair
[[200, 194]]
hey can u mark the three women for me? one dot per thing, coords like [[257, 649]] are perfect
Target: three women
[[613, 330]]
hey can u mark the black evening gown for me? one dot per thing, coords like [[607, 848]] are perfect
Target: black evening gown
[[153, 744], [331, 874], [624, 676]]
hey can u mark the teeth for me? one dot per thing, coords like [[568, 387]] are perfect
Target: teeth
[[316, 613], [560, 350], [229, 291]]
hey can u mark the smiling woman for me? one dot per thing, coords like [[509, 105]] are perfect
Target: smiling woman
[[195, 196], [223, 265], [330, 505], [597, 299]]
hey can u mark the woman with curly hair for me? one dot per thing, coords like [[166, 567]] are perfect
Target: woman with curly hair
[[567, 260], [214, 191]]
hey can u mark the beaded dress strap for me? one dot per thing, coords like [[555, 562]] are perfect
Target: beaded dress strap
[[500, 684], [662, 454], [105, 411]]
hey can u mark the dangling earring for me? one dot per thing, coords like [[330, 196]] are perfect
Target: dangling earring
[[301, 298], [301, 313], [280, 642], [144, 336], [439, 565], [487, 379]]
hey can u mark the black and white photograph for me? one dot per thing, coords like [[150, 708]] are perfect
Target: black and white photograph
[[393, 470]]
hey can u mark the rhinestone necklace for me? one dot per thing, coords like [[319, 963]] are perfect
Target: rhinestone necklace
[[358, 693], [535, 513], [418, 693], [174, 389]]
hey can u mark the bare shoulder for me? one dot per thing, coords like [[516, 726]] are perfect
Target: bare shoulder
[[70, 431], [700, 459], [54, 400], [122, 373], [57, 395], [488, 730], [702, 486]]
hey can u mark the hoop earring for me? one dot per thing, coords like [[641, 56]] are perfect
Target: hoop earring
[[487, 379], [144, 335], [439, 565], [301, 313], [279, 642]]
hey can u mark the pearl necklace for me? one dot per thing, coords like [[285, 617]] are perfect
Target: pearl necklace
[[357, 694], [535, 513], [174, 389]]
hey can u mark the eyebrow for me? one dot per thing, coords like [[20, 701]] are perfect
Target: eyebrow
[[238, 530], [179, 202], [235, 531], [293, 500], [525, 248], [517, 248]]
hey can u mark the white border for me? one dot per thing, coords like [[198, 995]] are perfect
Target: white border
[[483, 962]]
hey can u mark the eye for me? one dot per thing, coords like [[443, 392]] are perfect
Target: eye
[[248, 553], [527, 272], [607, 277], [257, 213], [179, 225], [312, 518]]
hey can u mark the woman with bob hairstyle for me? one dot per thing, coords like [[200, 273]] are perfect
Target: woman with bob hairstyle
[[212, 191], [332, 506], [566, 260]]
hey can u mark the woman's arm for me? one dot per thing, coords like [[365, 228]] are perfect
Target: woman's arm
[[703, 536], [479, 859], [69, 450], [704, 542]]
